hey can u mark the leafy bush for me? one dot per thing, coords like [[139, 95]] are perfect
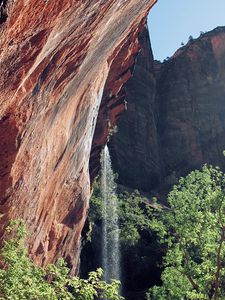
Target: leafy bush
[[134, 217], [194, 233], [22, 279], [134, 214], [140, 251]]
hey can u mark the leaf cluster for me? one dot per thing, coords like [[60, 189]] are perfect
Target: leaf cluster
[[134, 214], [194, 232], [22, 279]]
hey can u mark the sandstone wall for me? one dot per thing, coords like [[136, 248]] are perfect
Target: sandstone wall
[[175, 117], [55, 59]]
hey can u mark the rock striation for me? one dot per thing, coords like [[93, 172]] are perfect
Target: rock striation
[[175, 117], [57, 60]]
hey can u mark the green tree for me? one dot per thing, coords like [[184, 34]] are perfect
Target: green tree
[[193, 229], [134, 214], [134, 217], [21, 279]]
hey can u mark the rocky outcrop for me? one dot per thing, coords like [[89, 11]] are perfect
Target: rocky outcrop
[[56, 57], [174, 120], [113, 100]]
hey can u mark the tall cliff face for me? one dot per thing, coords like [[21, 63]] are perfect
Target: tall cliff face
[[113, 99], [55, 59], [134, 148], [175, 120]]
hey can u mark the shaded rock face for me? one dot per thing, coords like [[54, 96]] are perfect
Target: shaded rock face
[[55, 59], [4, 6], [134, 148], [175, 120]]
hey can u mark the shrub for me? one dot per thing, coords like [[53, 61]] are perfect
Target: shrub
[[22, 279], [134, 214]]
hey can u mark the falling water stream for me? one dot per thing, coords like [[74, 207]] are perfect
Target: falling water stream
[[110, 235]]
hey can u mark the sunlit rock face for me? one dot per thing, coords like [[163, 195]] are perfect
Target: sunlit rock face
[[175, 117], [55, 59]]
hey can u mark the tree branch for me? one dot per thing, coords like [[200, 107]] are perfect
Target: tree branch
[[192, 282]]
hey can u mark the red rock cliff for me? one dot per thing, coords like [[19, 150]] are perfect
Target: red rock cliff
[[55, 59], [175, 121]]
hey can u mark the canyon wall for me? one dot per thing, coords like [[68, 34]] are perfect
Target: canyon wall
[[56, 58], [175, 117], [134, 148]]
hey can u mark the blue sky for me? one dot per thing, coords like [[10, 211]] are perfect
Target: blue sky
[[173, 21]]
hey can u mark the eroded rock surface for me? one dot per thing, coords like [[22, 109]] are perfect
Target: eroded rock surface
[[55, 59], [175, 117]]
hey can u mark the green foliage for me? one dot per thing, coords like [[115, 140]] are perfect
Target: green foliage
[[96, 204], [134, 214], [194, 232], [112, 131], [22, 279], [134, 217]]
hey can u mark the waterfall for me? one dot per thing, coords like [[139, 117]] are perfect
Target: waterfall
[[110, 228]]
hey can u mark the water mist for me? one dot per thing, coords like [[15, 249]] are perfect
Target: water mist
[[110, 228]]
